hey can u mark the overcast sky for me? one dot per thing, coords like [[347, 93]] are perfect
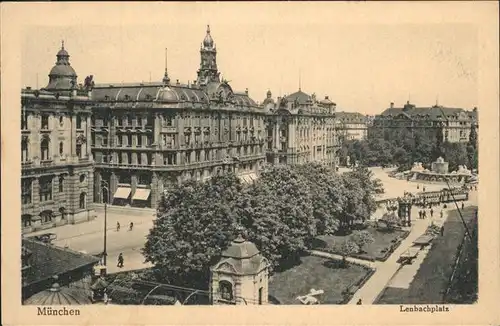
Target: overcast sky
[[361, 66]]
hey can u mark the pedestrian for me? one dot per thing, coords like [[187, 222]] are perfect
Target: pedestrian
[[418, 186], [120, 260], [442, 230], [105, 297], [131, 226], [425, 214], [359, 302], [117, 226], [475, 188], [441, 214], [463, 205], [420, 214], [432, 212]]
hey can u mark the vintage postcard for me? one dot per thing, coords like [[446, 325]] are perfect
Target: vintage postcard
[[250, 163]]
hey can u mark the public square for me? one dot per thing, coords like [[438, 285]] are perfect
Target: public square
[[89, 236]]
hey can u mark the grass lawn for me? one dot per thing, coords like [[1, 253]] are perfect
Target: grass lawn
[[432, 279], [316, 273], [383, 240]]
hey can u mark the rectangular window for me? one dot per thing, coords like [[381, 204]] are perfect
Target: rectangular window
[[45, 189], [45, 122], [188, 157], [129, 140], [78, 122], [149, 141], [139, 140], [139, 158], [119, 142], [26, 191], [169, 121], [129, 158], [104, 141], [207, 155], [24, 121], [61, 184], [198, 156], [129, 120], [139, 122]]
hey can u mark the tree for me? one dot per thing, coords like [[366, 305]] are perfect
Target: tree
[[347, 248], [455, 154], [195, 223], [326, 188], [362, 238], [390, 220], [472, 147], [277, 212]]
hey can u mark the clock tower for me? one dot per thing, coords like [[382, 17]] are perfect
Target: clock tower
[[208, 66]]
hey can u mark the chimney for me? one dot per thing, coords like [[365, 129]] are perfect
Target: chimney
[[392, 105], [326, 97], [246, 91], [189, 84], [177, 81], [475, 109], [28, 88]]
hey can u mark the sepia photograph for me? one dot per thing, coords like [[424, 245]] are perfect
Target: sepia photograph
[[203, 161]]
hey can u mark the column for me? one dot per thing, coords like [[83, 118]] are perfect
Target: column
[[97, 186], [156, 189], [112, 187]]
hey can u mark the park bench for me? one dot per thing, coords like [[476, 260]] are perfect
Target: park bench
[[409, 255]]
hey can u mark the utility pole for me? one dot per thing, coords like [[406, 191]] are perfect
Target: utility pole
[[105, 186]]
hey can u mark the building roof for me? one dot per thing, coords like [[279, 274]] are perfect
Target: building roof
[[242, 258], [171, 93], [57, 295], [350, 116], [299, 96], [47, 260], [433, 112]]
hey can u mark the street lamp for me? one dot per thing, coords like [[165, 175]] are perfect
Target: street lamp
[[105, 186]]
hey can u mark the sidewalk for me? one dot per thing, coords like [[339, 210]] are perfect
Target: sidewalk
[[387, 271]]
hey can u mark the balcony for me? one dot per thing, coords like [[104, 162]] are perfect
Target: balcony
[[171, 130]]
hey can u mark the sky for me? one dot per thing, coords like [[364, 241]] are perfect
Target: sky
[[360, 66]]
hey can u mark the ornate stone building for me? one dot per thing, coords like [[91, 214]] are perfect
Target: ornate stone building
[[57, 178], [351, 125], [453, 123], [301, 129], [147, 136]]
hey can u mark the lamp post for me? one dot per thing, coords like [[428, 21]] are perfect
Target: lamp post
[[105, 186]]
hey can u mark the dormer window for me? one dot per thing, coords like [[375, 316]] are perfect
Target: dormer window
[[106, 97], [127, 97]]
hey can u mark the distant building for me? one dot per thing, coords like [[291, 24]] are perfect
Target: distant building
[[301, 129], [454, 124], [351, 125], [56, 160], [55, 276]]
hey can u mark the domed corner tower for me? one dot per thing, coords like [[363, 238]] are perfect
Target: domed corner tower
[[62, 76], [241, 277]]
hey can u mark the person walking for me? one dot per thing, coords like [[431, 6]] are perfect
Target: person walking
[[463, 205], [432, 212], [441, 214], [425, 214], [120, 260], [117, 226], [423, 188], [442, 230], [131, 226]]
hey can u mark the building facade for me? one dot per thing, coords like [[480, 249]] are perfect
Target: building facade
[[56, 160], [452, 124], [352, 125], [147, 136], [300, 129]]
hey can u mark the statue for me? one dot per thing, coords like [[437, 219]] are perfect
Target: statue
[[89, 82]]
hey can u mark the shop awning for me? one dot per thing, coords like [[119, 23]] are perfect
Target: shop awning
[[122, 192], [141, 194]]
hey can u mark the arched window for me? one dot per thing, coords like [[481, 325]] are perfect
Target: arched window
[[82, 177], [44, 149], [83, 200], [61, 148], [61, 121], [24, 150], [226, 290]]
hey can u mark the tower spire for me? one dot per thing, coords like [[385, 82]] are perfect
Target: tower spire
[[166, 79], [62, 44], [300, 81]]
